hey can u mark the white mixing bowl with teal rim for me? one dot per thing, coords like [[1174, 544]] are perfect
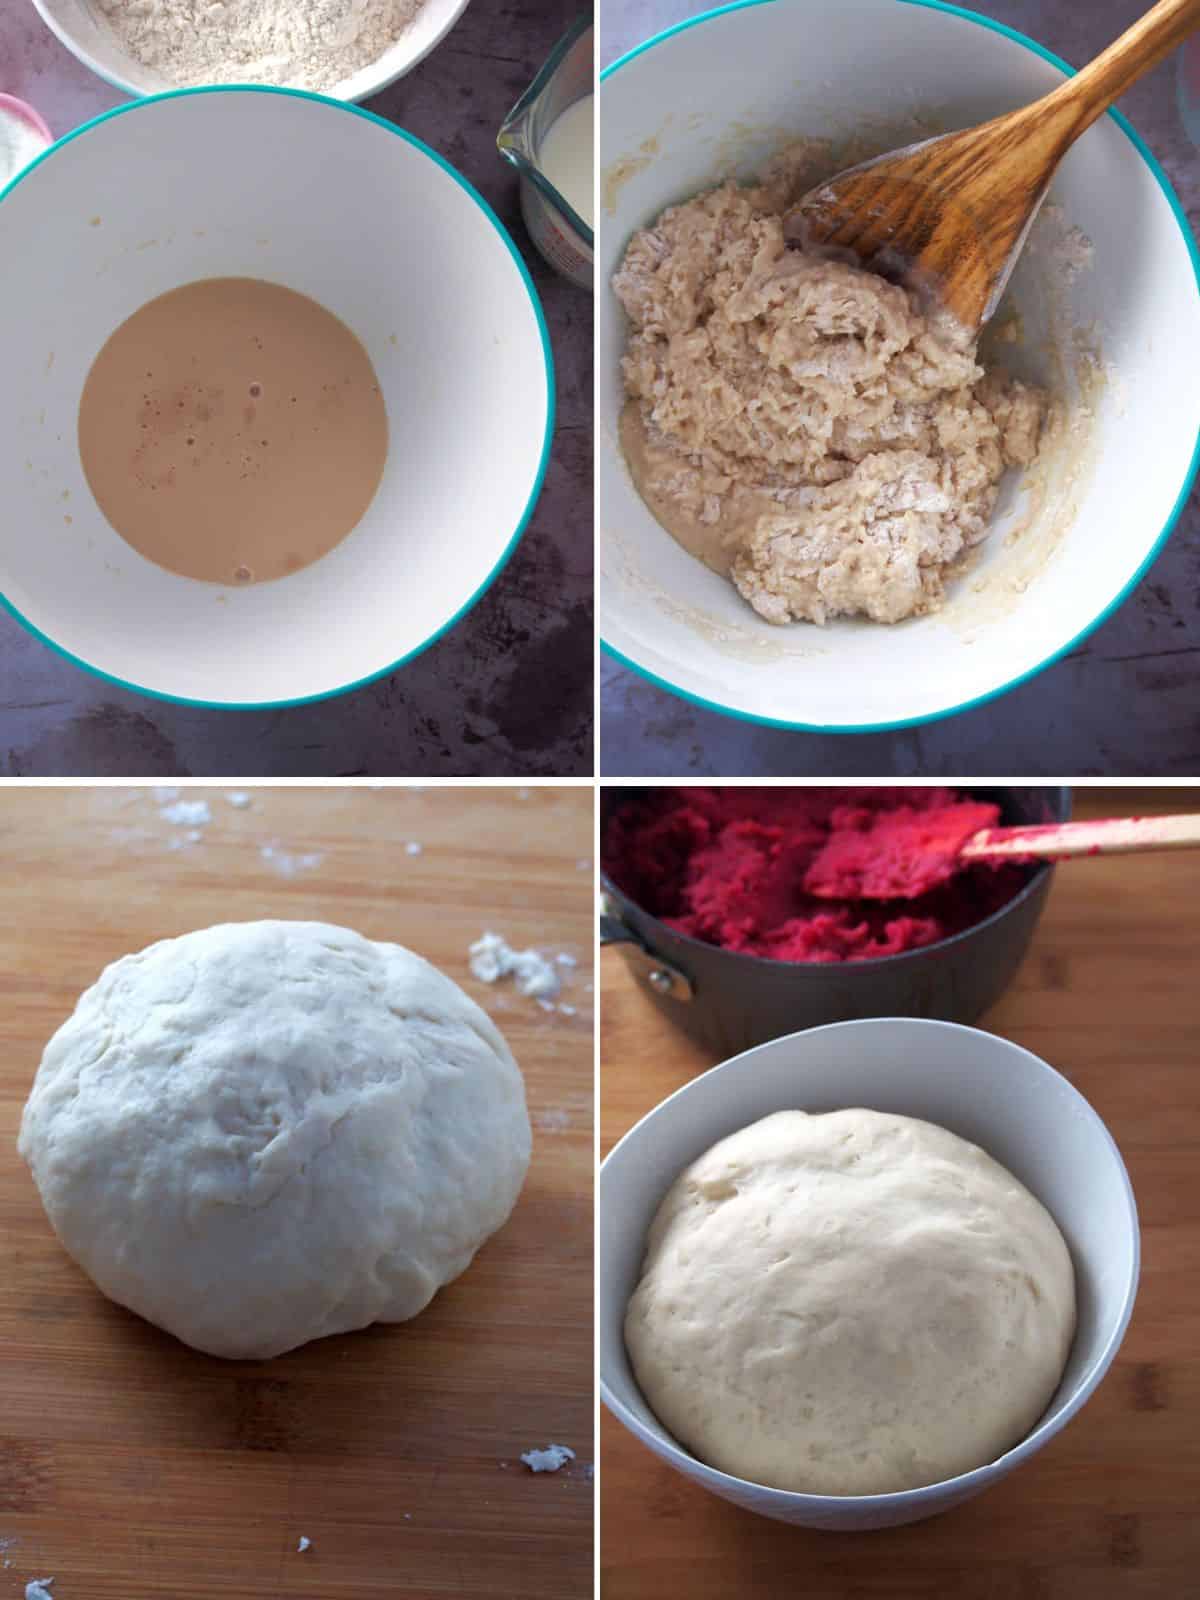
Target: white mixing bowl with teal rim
[[333, 202], [1117, 340]]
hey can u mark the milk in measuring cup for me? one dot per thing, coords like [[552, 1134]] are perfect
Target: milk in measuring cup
[[566, 158], [548, 137]]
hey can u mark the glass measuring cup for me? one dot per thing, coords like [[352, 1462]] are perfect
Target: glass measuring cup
[[561, 235]]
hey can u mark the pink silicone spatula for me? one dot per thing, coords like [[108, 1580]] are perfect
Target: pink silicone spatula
[[912, 858]]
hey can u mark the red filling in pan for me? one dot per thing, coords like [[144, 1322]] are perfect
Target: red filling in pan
[[738, 867]]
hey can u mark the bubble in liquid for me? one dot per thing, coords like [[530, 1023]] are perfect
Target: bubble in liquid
[[242, 574], [256, 389]]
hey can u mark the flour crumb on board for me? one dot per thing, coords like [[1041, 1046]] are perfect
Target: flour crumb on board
[[493, 958], [287, 864], [550, 1459], [39, 1589], [412, 848], [553, 1120], [164, 794], [584, 864], [186, 813], [239, 800], [305, 1544]]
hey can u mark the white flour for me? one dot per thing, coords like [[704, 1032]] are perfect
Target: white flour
[[492, 958], [286, 863], [309, 44], [187, 812], [550, 1459]]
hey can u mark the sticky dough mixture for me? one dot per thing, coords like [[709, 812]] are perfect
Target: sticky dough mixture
[[734, 867], [800, 424]]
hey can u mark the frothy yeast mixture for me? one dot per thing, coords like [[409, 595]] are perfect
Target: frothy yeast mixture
[[233, 430]]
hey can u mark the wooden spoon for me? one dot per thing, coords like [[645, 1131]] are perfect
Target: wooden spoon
[[947, 217], [912, 860]]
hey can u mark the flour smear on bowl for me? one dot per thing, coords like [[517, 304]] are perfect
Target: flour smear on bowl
[[309, 44]]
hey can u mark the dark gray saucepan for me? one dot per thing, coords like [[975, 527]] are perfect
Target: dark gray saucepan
[[729, 1002]]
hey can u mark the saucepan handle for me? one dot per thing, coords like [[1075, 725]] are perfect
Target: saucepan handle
[[662, 976]]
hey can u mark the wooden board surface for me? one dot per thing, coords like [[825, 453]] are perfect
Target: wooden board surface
[[131, 1466], [1110, 995]]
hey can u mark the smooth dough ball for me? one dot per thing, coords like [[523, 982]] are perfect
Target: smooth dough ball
[[266, 1132], [850, 1303]]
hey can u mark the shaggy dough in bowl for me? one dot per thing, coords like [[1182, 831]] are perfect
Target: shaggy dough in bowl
[[801, 424], [265, 1132], [851, 1303]]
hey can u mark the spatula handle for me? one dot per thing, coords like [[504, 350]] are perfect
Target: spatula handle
[[1109, 836], [1093, 89]]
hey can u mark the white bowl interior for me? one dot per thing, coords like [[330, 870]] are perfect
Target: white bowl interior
[[982, 1087], [328, 201], [82, 28], [723, 95]]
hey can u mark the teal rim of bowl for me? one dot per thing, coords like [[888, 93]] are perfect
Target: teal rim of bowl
[[1155, 550], [539, 476]]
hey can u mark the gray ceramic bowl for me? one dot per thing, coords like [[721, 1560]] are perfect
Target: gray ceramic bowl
[[984, 1088], [730, 1002]]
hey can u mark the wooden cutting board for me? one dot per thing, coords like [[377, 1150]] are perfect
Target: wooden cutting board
[[130, 1465], [1110, 995]]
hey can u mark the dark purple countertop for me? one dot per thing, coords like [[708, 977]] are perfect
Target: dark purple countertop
[[506, 692]]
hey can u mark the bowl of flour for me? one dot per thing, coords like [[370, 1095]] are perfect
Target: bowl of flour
[[349, 49], [811, 513]]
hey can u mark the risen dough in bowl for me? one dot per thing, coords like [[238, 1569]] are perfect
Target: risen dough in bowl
[[847, 1304], [265, 1132]]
